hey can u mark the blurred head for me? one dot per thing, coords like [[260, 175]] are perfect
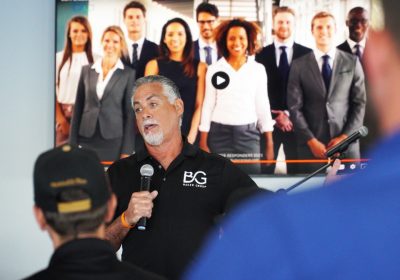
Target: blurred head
[[207, 20], [177, 38], [383, 68], [72, 194], [283, 23], [113, 42], [236, 38], [358, 23], [135, 18], [323, 28], [158, 108]]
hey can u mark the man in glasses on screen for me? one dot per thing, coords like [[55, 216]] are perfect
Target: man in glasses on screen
[[205, 48]]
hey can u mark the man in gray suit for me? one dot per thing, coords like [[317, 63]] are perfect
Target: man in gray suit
[[326, 95]]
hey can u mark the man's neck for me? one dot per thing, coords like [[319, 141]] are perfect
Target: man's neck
[[324, 48], [283, 41], [60, 240], [207, 41], [135, 36], [167, 151]]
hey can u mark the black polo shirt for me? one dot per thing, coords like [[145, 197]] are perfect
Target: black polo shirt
[[89, 258], [191, 193]]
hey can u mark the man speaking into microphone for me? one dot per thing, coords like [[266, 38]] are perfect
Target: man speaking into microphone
[[189, 188]]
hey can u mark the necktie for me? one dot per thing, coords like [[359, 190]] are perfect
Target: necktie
[[283, 63], [208, 55], [358, 51], [326, 71], [134, 55]]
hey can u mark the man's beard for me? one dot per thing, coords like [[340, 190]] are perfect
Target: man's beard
[[152, 138]]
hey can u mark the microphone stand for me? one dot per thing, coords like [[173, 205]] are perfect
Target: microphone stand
[[322, 168]]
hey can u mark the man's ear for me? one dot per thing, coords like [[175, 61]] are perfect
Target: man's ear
[[179, 106], [111, 205], [39, 216]]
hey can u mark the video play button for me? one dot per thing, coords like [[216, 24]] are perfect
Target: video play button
[[220, 80]]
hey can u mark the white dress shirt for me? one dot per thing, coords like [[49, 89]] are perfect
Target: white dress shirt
[[69, 76], [289, 50], [103, 81], [130, 43], [353, 44], [202, 51], [243, 101], [318, 56]]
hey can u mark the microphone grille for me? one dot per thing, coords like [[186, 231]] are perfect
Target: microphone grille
[[147, 170], [363, 131]]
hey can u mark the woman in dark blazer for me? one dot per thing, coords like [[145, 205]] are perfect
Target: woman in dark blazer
[[103, 118]]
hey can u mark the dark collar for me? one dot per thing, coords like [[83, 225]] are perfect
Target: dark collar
[[85, 252], [188, 150]]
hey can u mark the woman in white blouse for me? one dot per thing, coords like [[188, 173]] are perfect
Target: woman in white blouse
[[76, 53], [103, 118], [233, 117]]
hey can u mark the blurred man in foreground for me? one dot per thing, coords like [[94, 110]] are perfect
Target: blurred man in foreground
[[349, 230]]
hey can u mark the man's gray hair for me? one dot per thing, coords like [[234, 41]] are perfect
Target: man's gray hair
[[171, 91]]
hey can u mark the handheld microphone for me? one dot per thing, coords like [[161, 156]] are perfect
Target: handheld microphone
[[146, 171], [343, 145]]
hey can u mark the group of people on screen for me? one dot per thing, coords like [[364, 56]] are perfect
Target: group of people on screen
[[284, 94]]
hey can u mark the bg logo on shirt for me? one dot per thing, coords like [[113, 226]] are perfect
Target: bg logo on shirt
[[198, 179]]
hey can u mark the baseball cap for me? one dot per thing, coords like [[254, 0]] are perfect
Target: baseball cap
[[74, 169]]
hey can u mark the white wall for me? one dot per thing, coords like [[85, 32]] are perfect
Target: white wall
[[27, 96], [26, 93]]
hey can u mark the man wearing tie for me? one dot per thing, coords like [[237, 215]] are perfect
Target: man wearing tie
[[140, 49], [358, 25], [326, 95], [205, 48], [276, 59]]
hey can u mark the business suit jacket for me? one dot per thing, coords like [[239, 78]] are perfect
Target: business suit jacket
[[196, 48], [277, 95], [345, 47], [316, 112], [149, 51], [113, 112], [276, 84]]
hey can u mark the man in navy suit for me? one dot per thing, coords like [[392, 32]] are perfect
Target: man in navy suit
[[140, 49], [205, 48], [277, 58]]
